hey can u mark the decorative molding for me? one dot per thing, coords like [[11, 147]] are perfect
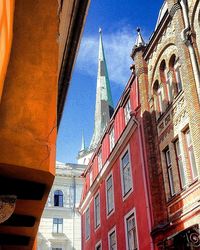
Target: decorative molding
[[174, 9]]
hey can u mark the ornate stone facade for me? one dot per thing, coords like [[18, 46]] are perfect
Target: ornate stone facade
[[170, 103]]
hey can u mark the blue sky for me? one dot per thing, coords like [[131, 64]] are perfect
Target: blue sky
[[118, 20]]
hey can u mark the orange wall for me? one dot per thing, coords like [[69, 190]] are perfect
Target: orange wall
[[29, 98], [6, 26]]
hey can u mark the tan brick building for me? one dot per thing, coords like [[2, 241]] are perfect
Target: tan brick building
[[169, 83]]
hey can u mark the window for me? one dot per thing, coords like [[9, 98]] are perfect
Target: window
[[98, 246], [127, 111], [158, 98], [87, 224], [58, 198], [170, 89], [112, 240], [57, 225], [109, 194], [180, 163], [191, 154], [100, 160], [91, 177], [97, 210], [178, 76], [174, 66], [161, 99], [126, 174], [131, 232], [169, 171], [112, 139]]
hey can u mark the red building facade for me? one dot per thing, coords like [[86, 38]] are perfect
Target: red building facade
[[153, 154], [115, 205]]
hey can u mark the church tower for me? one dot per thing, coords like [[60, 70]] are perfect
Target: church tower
[[104, 105]]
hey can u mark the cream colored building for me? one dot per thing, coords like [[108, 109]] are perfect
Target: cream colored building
[[60, 226]]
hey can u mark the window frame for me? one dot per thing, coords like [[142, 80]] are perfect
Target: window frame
[[169, 169], [177, 74], [91, 177], [129, 215], [113, 230], [112, 138], [125, 195], [60, 198], [99, 161], [98, 244], [180, 163], [127, 111], [108, 213], [190, 153], [57, 231], [96, 226]]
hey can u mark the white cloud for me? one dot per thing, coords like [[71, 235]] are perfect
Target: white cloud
[[117, 46]]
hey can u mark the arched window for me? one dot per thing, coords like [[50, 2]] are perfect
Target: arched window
[[158, 98], [163, 78], [58, 198], [174, 66]]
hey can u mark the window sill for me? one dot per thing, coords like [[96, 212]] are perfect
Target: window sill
[[110, 213], [194, 181], [55, 233], [125, 196], [97, 227]]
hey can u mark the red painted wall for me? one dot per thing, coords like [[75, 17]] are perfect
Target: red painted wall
[[136, 199]]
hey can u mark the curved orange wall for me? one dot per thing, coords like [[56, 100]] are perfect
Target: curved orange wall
[[6, 33]]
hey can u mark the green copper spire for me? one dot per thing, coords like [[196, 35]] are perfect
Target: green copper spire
[[104, 104]]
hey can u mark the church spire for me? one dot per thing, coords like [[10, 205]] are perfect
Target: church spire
[[104, 104]]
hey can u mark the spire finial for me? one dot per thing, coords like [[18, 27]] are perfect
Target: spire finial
[[138, 30], [139, 41], [100, 30]]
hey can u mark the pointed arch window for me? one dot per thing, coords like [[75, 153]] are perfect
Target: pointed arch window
[[158, 98], [163, 85], [176, 83], [58, 198]]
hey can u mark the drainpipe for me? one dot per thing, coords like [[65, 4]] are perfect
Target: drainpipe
[[186, 37], [144, 173]]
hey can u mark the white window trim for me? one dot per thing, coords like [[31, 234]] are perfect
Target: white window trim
[[109, 214], [178, 147], [126, 119], [99, 156], [99, 243], [112, 140], [88, 208], [95, 226], [189, 145], [170, 172], [133, 211], [125, 196], [109, 233], [91, 177]]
